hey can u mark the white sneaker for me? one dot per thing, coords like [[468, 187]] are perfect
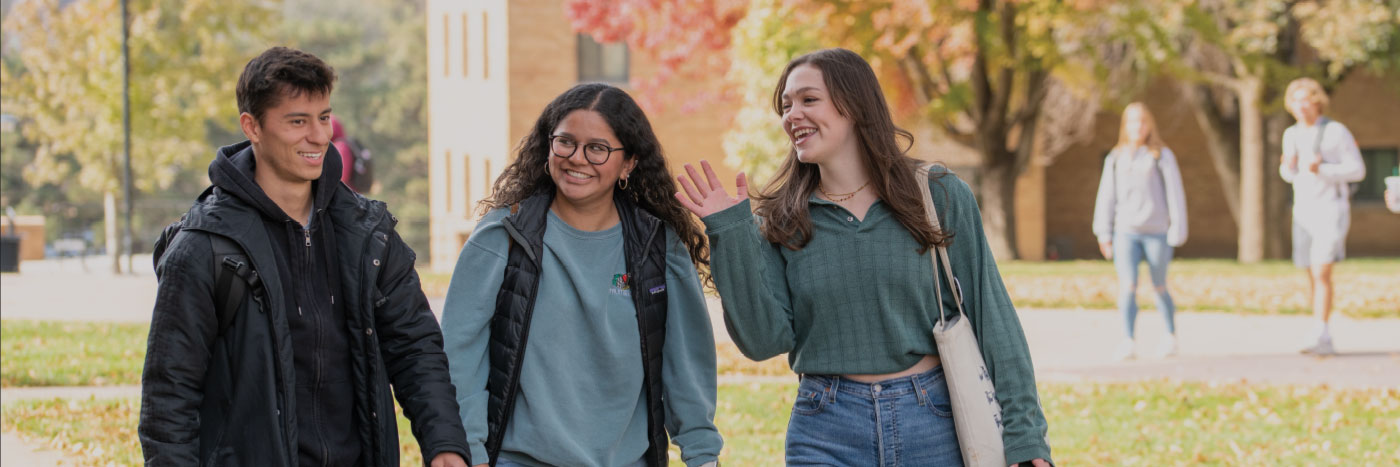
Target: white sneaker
[[1126, 351], [1323, 347], [1168, 346]]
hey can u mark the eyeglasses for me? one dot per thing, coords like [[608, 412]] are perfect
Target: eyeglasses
[[596, 153]]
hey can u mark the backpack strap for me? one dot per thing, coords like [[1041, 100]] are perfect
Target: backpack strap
[[1162, 176], [232, 276]]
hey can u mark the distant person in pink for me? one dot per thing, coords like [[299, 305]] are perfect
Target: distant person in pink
[[342, 145]]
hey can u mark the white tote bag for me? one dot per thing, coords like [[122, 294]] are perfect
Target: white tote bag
[[976, 413]]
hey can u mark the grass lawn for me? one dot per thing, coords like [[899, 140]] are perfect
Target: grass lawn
[[1150, 423], [103, 432], [58, 353], [1365, 287], [52, 353]]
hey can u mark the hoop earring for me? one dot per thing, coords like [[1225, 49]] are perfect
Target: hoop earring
[[622, 184]]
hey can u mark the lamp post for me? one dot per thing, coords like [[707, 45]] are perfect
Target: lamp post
[[126, 139]]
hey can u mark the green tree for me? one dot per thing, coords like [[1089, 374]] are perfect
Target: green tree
[[979, 71], [376, 47], [763, 42], [68, 90]]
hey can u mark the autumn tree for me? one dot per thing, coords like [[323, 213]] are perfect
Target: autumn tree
[[979, 71], [185, 57], [1233, 59], [762, 44], [376, 47], [686, 38]]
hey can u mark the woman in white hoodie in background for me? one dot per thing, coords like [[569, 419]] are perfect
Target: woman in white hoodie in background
[[1140, 215]]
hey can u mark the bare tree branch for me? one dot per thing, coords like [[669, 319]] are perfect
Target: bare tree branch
[[1036, 90]]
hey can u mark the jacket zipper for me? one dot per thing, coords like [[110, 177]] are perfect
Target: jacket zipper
[[307, 269]]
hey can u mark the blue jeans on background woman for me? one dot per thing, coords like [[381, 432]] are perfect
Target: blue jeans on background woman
[[1130, 249], [898, 422]]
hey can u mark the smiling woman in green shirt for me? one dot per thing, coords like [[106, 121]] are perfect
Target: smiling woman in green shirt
[[833, 270]]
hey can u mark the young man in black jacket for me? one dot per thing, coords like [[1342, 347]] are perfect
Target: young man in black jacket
[[332, 314]]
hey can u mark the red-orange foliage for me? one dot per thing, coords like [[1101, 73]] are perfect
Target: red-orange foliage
[[684, 37]]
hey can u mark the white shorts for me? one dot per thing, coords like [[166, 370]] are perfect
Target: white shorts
[[1321, 239]]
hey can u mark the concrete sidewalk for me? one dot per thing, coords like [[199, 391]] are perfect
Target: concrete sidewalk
[[15, 452], [1066, 344], [1077, 345], [60, 289]]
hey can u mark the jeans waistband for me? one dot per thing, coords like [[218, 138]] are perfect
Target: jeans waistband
[[894, 387]]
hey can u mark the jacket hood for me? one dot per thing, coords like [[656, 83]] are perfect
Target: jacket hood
[[232, 171]]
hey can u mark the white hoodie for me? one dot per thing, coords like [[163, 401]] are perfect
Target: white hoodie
[[1138, 194], [1324, 192]]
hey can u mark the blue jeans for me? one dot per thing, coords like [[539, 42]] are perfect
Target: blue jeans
[[1129, 249], [900, 422]]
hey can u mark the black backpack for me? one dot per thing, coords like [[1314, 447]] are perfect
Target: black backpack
[[234, 276], [362, 166]]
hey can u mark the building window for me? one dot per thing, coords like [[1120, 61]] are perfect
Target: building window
[[486, 176], [485, 47], [601, 62], [464, 45], [447, 180], [467, 182], [446, 47], [1380, 163]]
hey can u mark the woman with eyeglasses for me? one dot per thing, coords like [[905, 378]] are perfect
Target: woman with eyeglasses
[[833, 269], [575, 326]]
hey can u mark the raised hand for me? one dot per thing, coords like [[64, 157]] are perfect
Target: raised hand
[[705, 197]]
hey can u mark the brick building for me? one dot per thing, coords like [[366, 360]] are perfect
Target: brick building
[[493, 67], [495, 64], [1369, 107]]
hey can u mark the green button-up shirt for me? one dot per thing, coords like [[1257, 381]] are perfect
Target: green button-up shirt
[[859, 299]]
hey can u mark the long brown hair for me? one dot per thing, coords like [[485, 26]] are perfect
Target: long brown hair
[[856, 93], [1154, 142], [650, 183]]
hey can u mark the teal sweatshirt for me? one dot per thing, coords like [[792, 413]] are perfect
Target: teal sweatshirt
[[581, 400], [859, 299]]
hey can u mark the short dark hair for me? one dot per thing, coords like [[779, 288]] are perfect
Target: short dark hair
[[278, 72]]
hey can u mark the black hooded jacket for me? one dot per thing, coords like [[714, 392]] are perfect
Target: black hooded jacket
[[338, 316]]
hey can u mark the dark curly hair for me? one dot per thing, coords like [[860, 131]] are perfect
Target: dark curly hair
[[650, 184]]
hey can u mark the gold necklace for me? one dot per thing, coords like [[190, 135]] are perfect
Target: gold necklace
[[842, 196]]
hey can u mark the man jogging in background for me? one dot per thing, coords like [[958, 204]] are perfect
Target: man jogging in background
[[288, 305], [1320, 159]]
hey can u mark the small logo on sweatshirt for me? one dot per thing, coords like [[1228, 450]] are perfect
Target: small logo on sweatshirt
[[621, 285]]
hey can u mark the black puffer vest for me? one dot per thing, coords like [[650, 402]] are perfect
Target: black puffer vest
[[644, 245]]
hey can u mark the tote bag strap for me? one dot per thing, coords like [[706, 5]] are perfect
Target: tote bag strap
[[922, 174]]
